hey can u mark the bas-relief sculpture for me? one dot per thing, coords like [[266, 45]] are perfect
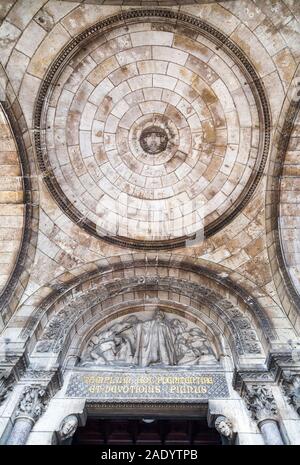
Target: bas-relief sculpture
[[156, 341]]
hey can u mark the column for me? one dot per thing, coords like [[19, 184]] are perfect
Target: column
[[270, 432], [20, 431], [31, 406]]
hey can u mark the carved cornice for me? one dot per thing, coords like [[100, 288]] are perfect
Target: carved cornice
[[218, 38], [285, 368], [15, 369], [242, 378], [48, 379], [282, 368], [279, 363], [6, 384]]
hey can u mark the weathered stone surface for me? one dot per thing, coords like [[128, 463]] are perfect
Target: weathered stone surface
[[152, 129]]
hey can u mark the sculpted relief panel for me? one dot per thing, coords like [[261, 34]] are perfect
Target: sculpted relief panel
[[152, 340]]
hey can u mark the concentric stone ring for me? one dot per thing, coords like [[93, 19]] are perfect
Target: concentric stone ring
[[153, 137]]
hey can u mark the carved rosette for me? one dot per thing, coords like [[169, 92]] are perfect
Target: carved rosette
[[33, 403], [291, 388], [260, 402]]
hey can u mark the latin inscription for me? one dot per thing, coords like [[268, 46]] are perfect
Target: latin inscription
[[148, 387]]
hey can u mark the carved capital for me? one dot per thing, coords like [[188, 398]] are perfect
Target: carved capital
[[260, 401], [291, 388], [50, 380], [32, 403]]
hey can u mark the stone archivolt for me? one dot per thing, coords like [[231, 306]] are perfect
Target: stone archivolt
[[243, 336], [67, 301]]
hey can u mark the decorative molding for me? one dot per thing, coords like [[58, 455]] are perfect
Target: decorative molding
[[208, 31], [49, 379], [12, 368], [224, 427], [243, 335], [6, 384], [243, 377], [260, 402], [71, 290], [285, 362], [94, 405]]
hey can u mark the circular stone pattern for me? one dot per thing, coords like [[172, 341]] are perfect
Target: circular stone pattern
[[151, 134]]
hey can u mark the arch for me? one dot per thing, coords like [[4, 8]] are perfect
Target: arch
[[276, 243], [19, 276], [65, 323], [226, 306]]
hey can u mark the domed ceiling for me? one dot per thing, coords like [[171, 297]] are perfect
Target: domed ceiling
[[152, 134]]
